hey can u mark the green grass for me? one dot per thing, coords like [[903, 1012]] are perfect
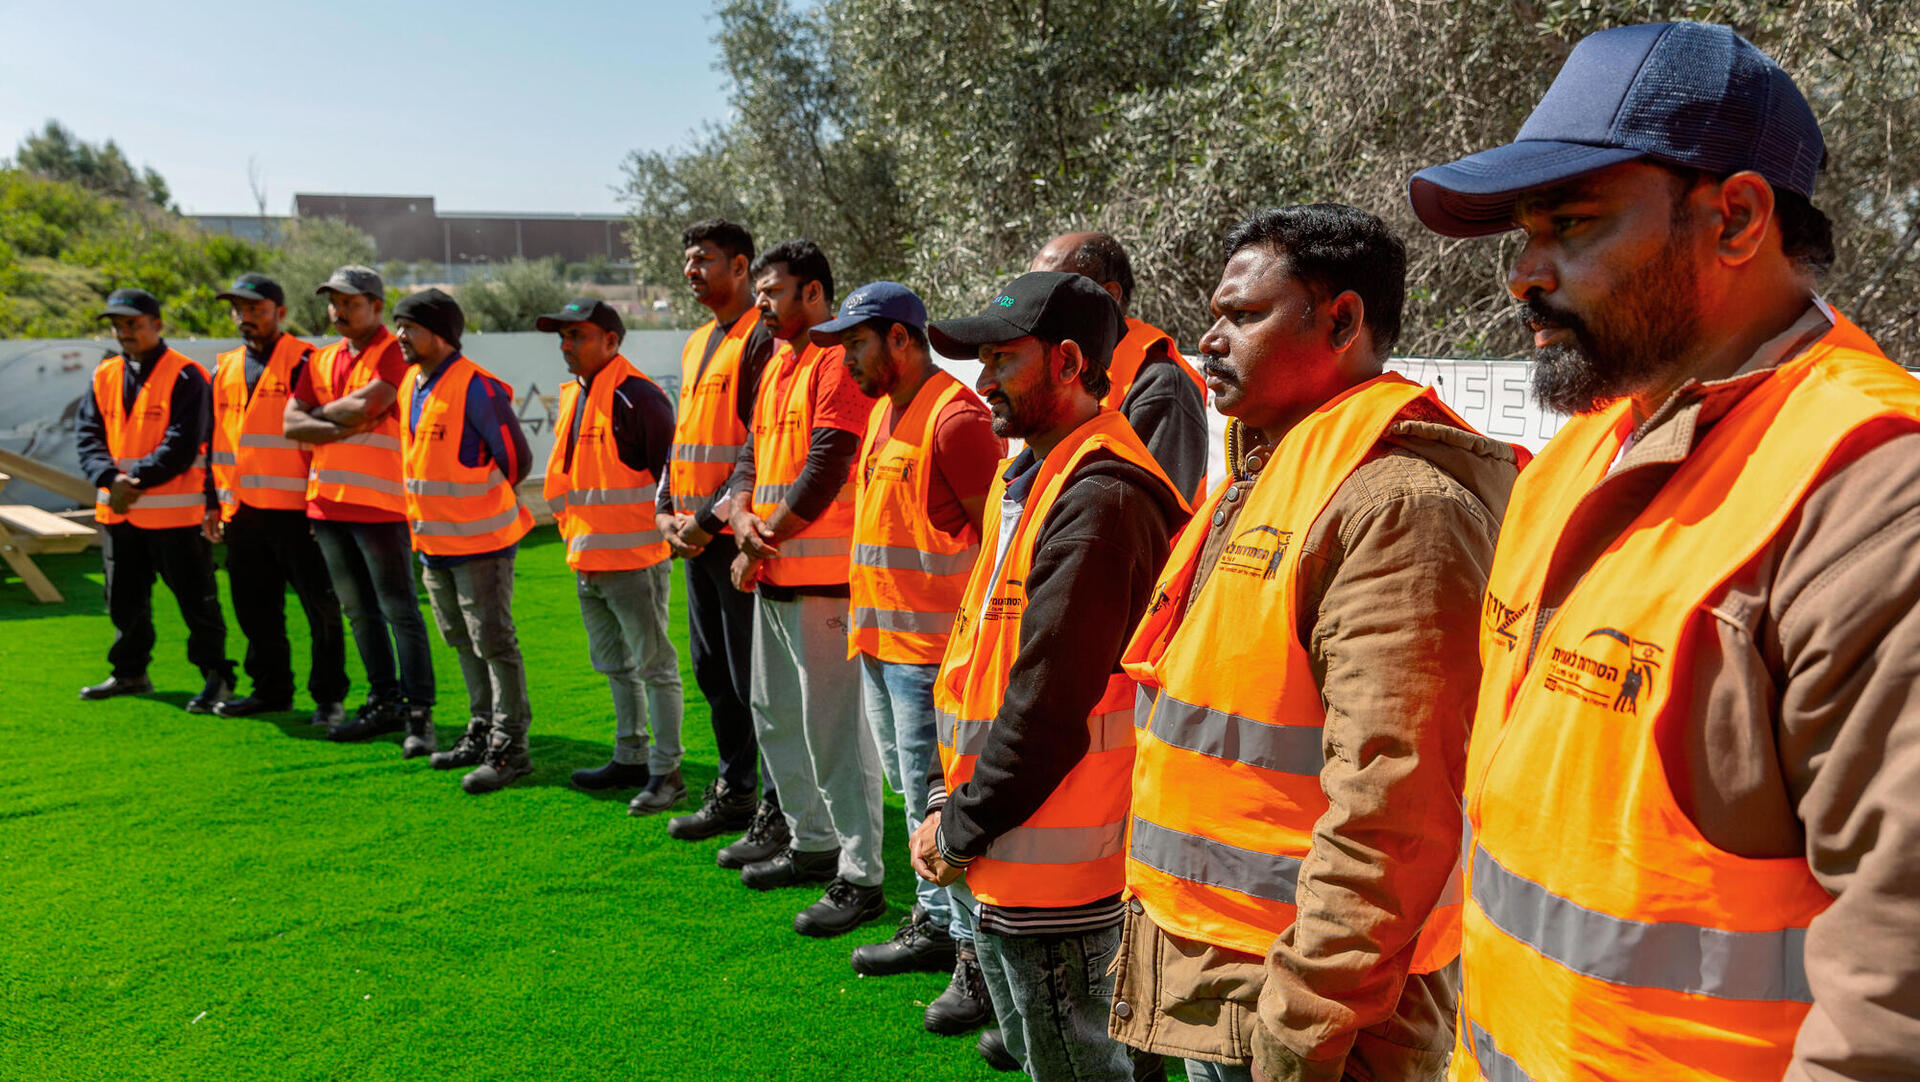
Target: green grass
[[193, 897]]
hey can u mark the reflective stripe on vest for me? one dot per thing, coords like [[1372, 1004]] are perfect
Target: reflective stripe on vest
[[1080, 826], [1226, 781], [253, 462], [363, 469], [707, 433], [907, 576], [782, 432], [605, 508], [1605, 937], [454, 509], [134, 434]]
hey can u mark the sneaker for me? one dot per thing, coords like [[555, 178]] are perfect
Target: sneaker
[[721, 811], [376, 717], [466, 751], [117, 685], [964, 1005], [766, 836], [420, 737], [251, 705], [327, 715], [992, 1047], [790, 868], [614, 775], [663, 791], [505, 761], [218, 688], [917, 946], [844, 907]]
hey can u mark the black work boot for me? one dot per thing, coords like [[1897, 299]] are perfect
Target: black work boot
[[964, 1005], [614, 775], [844, 907], [721, 811], [663, 791], [327, 715], [466, 751], [255, 703], [218, 689], [917, 946], [117, 685], [420, 740], [376, 717], [790, 868], [766, 836], [992, 1047], [505, 761]]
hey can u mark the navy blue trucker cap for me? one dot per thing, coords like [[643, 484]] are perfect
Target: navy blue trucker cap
[[875, 300], [1687, 94]]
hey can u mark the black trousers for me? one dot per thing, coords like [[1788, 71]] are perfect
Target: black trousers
[[179, 557], [267, 551], [720, 637]]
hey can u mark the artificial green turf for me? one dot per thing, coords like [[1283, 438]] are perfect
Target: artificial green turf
[[194, 897]]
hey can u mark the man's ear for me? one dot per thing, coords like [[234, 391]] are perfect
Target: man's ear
[[1745, 204], [1346, 314], [1068, 362]]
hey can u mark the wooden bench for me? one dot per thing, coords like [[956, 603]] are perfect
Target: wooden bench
[[26, 532]]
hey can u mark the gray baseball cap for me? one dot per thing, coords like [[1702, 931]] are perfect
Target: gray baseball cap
[[354, 278]]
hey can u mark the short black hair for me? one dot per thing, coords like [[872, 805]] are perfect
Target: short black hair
[[1104, 260], [730, 237], [803, 259], [1335, 248], [1095, 375], [883, 326], [1806, 234]]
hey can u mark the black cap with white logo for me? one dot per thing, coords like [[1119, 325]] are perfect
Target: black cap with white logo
[[130, 302]]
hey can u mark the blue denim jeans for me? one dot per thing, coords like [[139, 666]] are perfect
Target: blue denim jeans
[[898, 700], [1201, 1070], [1052, 994], [371, 564]]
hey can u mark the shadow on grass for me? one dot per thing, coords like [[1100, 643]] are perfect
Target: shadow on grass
[[82, 596]]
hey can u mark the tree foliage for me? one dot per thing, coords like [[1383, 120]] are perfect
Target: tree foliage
[[308, 252], [518, 293], [55, 153], [1165, 121]]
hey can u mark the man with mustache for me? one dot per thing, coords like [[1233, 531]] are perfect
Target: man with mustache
[[260, 483], [142, 436], [1690, 788], [720, 368], [1307, 668], [1035, 724], [1154, 387], [343, 404]]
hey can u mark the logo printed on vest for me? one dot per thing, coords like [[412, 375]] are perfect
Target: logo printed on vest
[[1006, 608], [1256, 552], [1499, 619], [1613, 672], [893, 470], [716, 384]]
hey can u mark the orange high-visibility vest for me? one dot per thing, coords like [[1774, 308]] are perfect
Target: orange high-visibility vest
[[707, 434], [605, 508], [253, 463], [782, 431], [1131, 352], [133, 435], [907, 576], [364, 469], [1604, 936], [1226, 782], [452, 509], [1070, 851]]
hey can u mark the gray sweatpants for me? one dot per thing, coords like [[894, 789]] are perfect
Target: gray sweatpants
[[626, 617], [473, 606], [813, 735]]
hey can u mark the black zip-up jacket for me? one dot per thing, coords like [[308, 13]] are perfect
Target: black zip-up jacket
[[189, 425]]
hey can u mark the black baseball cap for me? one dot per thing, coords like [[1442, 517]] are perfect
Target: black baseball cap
[[1050, 305], [130, 302], [1687, 94], [253, 287], [583, 310], [354, 278]]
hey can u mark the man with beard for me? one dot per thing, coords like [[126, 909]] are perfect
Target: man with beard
[[1308, 671], [793, 517], [1035, 717], [464, 453], [142, 436], [720, 368], [1154, 387], [1690, 784], [260, 485], [344, 404], [923, 473]]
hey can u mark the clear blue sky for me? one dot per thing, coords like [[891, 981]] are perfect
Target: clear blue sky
[[485, 105]]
